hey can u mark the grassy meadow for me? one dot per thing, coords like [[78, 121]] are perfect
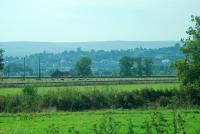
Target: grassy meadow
[[119, 120], [62, 122], [126, 87]]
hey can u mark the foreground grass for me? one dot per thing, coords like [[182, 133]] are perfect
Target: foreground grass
[[38, 123], [42, 90]]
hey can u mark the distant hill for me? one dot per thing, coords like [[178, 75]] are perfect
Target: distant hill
[[27, 48]]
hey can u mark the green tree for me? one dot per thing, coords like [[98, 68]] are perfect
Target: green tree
[[1, 59], [16, 68], [188, 69], [148, 66], [83, 66], [126, 65], [139, 66]]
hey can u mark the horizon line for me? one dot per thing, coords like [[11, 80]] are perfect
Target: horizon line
[[91, 41]]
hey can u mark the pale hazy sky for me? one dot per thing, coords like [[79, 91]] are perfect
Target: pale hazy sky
[[95, 20]]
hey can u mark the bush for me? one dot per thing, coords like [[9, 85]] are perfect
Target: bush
[[29, 91], [28, 101], [191, 95], [2, 103], [75, 100], [129, 100]]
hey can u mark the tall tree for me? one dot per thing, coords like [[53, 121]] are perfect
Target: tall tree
[[139, 66], [126, 64], [148, 66], [83, 66], [188, 69], [1, 59], [134, 68]]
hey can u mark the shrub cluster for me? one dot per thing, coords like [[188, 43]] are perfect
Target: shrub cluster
[[74, 100], [28, 101]]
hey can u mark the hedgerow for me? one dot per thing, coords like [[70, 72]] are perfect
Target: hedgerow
[[75, 100]]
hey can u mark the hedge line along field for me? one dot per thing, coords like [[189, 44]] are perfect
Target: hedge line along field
[[42, 90], [84, 122]]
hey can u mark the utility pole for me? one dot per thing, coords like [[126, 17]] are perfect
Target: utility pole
[[24, 68], [39, 67]]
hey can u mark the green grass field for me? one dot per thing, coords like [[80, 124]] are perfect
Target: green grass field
[[41, 90], [40, 123], [84, 121]]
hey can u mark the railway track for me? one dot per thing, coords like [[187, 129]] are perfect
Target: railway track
[[74, 81]]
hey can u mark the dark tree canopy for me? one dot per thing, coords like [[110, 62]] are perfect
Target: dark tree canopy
[[1, 59], [130, 66], [139, 66], [188, 69], [83, 66], [11, 68], [126, 65], [148, 66]]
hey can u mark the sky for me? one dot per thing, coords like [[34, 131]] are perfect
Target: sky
[[95, 20]]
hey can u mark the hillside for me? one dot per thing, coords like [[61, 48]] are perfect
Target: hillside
[[27, 48], [103, 62]]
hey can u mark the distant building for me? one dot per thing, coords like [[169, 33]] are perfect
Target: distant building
[[58, 73]]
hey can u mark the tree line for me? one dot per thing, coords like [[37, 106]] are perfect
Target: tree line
[[131, 66], [128, 66], [103, 62]]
